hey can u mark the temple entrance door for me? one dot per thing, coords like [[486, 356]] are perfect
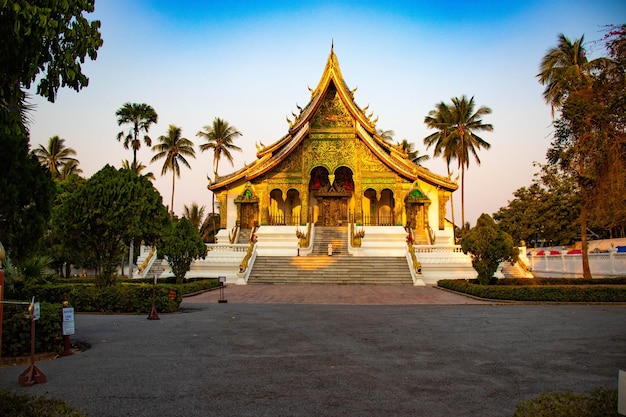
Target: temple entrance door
[[249, 215], [333, 211], [415, 214]]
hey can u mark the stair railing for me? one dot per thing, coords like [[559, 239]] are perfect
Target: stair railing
[[145, 266]]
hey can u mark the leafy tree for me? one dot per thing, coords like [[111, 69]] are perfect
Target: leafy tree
[[219, 137], [112, 207], [181, 244], [488, 246], [56, 156], [47, 42], [581, 133], [547, 210], [140, 117], [173, 148]]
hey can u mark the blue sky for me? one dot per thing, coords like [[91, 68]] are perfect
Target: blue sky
[[250, 63]]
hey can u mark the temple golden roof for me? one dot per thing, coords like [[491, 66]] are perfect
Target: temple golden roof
[[365, 129]]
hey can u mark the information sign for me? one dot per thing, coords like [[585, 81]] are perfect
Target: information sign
[[68, 321], [36, 311]]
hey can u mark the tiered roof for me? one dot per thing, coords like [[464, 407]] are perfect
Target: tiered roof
[[272, 155]]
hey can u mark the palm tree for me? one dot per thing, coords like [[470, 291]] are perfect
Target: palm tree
[[69, 168], [137, 168], [565, 70], [140, 117], [386, 135], [55, 156], [461, 136], [412, 154], [195, 214], [440, 119], [219, 137], [173, 148]]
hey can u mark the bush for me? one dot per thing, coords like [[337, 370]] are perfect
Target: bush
[[16, 330], [559, 293], [121, 298], [601, 402], [14, 404]]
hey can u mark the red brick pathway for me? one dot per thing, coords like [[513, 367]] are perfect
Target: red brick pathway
[[334, 294]]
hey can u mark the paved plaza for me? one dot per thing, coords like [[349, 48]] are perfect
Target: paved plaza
[[334, 351]]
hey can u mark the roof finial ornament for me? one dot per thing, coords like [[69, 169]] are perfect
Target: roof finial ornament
[[332, 45]]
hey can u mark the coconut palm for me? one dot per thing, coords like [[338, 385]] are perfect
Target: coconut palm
[[386, 135], [412, 154], [565, 69], [137, 168], [440, 119], [195, 214], [462, 137], [219, 137], [69, 168], [55, 156], [173, 148], [140, 117]]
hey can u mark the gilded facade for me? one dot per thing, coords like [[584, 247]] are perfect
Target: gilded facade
[[332, 168]]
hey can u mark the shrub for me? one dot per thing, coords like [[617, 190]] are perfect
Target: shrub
[[601, 402], [561, 293], [16, 330], [14, 404]]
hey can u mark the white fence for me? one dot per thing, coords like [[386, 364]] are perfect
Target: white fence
[[550, 264]]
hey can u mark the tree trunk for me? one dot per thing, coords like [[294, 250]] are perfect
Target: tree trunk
[[462, 195], [131, 255], [583, 237], [452, 210], [172, 207]]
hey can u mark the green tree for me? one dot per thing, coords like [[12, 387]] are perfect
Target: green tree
[[546, 211], [56, 156], [47, 43], [181, 244], [569, 76], [219, 137], [173, 148], [488, 246], [140, 117], [112, 207], [70, 168]]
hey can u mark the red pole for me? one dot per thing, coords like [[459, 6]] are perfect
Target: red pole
[[1, 306]]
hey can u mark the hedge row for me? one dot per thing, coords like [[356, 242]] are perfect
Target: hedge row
[[559, 293], [559, 281], [16, 329], [121, 298]]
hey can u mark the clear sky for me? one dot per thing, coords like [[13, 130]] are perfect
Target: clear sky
[[250, 63]]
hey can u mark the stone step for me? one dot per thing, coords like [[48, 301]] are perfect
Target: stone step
[[330, 270]]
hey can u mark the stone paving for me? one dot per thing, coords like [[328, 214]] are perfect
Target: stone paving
[[335, 294]]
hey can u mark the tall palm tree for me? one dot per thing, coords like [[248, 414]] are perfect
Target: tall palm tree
[[55, 156], [173, 148], [440, 119], [387, 135], [137, 168], [140, 117], [461, 136], [412, 154], [219, 137], [565, 70]]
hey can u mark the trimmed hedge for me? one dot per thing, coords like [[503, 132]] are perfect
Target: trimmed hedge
[[121, 298], [559, 293], [13, 404], [16, 330], [601, 402]]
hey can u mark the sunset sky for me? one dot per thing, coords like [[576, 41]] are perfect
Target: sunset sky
[[250, 63]]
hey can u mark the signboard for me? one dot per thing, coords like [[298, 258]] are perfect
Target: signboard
[[171, 294], [68, 321], [36, 311], [222, 279]]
